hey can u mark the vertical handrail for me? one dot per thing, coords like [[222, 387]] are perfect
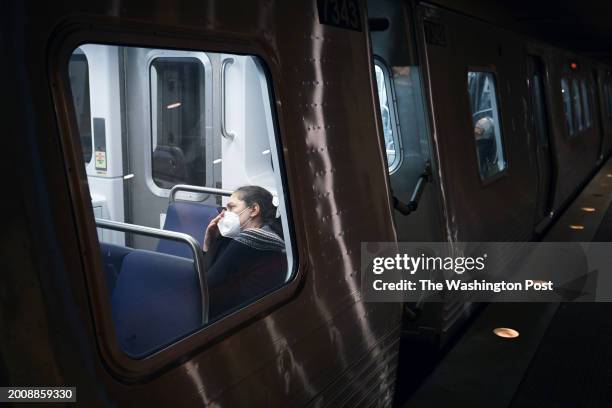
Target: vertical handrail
[[228, 135]]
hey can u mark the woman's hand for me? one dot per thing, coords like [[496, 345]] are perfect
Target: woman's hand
[[212, 231]]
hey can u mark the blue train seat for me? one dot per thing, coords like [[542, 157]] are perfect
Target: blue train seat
[[156, 300], [187, 217], [112, 258]]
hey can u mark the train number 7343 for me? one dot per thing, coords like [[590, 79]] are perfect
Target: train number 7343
[[340, 13]]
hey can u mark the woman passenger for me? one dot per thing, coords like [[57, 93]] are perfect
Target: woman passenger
[[244, 251]]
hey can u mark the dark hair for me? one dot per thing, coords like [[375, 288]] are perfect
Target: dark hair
[[255, 194]]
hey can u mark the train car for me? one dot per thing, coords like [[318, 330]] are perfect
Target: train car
[[116, 105], [136, 126], [513, 131]]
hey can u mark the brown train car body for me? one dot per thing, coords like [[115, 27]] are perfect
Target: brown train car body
[[314, 341]]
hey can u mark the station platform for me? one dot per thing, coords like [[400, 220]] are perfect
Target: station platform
[[563, 355]]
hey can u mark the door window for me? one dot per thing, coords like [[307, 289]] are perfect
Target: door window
[[178, 122], [387, 113], [585, 103], [567, 106], [486, 124]]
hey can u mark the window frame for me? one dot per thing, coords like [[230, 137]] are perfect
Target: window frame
[[83, 30], [498, 104], [151, 56]]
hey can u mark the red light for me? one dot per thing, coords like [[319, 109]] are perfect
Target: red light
[[573, 65]]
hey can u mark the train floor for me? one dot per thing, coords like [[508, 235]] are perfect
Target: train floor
[[562, 357]]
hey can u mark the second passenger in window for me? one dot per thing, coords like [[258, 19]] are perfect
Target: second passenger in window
[[244, 251], [484, 133]]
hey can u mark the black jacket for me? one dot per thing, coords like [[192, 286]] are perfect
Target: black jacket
[[238, 274]]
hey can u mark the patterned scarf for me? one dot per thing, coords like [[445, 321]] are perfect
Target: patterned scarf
[[262, 239]]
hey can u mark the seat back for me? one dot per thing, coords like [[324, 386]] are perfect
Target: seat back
[[112, 259], [187, 217], [156, 301]]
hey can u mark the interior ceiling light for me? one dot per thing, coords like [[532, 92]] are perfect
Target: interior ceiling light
[[588, 209], [173, 105], [506, 333], [576, 227], [609, 175]]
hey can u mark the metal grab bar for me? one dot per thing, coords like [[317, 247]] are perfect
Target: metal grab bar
[[413, 204], [224, 132], [197, 189], [198, 258]]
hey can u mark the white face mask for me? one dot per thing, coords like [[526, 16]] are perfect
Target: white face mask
[[229, 225]]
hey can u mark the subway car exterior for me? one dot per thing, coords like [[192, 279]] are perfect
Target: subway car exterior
[[125, 114], [314, 340]]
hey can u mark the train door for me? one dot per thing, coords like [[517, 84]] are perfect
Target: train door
[[169, 138], [400, 94], [476, 88], [536, 73]]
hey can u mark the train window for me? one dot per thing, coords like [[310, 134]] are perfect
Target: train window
[[178, 122], [486, 123], [155, 108], [567, 106], [577, 105], [78, 71], [538, 98], [387, 112], [585, 103]]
